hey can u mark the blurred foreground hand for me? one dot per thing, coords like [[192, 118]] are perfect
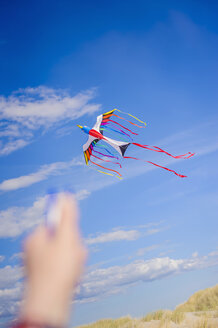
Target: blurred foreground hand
[[54, 263]]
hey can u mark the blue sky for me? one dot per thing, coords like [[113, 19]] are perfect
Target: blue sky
[[152, 237]]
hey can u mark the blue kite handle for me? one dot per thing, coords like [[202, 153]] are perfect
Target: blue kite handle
[[53, 209]]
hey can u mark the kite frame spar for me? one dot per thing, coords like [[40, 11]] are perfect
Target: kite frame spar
[[106, 123]]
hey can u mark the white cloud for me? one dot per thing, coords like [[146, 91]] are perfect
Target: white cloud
[[214, 253], [82, 194], [43, 173], [11, 289], [153, 231], [142, 251], [28, 110], [195, 254], [2, 257], [16, 256], [9, 275], [104, 281], [15, 220], [10, 146], [122, 233], [111, 236]]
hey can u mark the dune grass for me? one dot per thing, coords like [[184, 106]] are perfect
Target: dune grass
[[204, 300], [207, 314], [165, 321], [165, 316], [204, 323], [125, 322], [160, 319], [177, 316], [157, 315]]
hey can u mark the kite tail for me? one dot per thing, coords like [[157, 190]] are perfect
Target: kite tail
[[130, 121], [105, 154], [123, 127], [119, 175], [113, 175], [163, 167], [117, 129], [159, 150], [113, 130], [105, 160], [105, 147]]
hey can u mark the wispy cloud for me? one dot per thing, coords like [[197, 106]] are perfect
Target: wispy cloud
[[154, 231], [16, 256], [122, 234], [105, 281], [28, 110], [10, 290], [82, 194], [9, 146], [10, 275], [144, 250], [42, 174], [111, 236], [16, 220]]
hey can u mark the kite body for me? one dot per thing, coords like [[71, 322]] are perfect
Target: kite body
[[96, 133], [105, 123]]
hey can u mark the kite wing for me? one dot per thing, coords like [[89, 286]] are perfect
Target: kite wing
[[87, 148], [106, 117], [102, 119]]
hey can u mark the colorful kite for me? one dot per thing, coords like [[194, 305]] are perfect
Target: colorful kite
[[112, 150]]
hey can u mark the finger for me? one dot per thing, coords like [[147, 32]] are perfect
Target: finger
[[37, 237]]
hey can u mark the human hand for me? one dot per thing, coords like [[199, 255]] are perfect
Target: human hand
[[54, 263]]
